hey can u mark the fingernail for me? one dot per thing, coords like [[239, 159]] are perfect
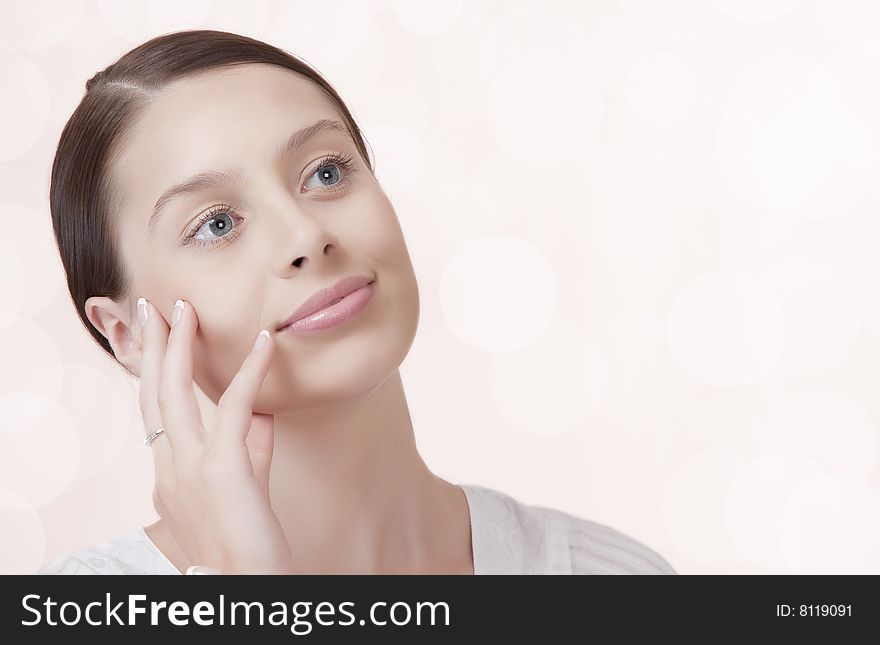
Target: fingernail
[[143, 311], [262, 339], [196, 570], [175, 315]]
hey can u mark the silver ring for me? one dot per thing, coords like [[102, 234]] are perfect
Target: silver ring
[[149, 438]]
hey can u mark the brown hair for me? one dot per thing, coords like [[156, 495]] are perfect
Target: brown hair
[[81, 195]]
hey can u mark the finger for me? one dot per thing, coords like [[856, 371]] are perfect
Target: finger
[[177, 399], [153, 345], [261, 443], [232, 419]]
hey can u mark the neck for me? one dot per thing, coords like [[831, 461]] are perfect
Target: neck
[[353, 495], [350, 489]]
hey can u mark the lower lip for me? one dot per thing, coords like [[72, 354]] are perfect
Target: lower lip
[[334, 315]]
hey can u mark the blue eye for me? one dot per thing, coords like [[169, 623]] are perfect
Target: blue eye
[[222, 221], [219, 220], [328, 171], [324, 174]]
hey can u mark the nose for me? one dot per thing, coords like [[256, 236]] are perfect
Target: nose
[[294, 234], [301, 261]]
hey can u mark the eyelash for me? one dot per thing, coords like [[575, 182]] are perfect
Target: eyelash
[[344, 162]]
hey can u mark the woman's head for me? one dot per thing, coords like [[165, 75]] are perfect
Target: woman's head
[[247, 251]]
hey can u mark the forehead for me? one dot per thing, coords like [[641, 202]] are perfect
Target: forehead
[[235, 117]]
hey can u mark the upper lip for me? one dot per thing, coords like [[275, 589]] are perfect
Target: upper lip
[[324, 297]]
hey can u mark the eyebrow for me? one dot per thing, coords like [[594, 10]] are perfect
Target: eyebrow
[[212, 178]]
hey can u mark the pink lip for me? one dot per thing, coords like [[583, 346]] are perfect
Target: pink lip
[[317, 312]]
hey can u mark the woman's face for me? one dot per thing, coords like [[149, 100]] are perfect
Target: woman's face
[[291, 231]]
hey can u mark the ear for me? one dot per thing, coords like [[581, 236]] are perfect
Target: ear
[[120, 327]]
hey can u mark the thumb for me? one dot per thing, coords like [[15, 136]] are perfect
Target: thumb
[[260, 443]]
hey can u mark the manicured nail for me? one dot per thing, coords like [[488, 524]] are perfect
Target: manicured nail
[[143, 311], [196, 570], [262, 339], [178, 309]]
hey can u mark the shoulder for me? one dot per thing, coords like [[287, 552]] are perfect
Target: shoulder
[[524, 538], [595, 548], [129, 553]]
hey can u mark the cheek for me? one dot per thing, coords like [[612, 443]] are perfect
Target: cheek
[[223, 340], [381, 234]]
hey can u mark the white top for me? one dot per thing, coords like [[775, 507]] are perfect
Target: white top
[[507, 536]]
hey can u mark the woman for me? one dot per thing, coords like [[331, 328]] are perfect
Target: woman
[[224, 175]]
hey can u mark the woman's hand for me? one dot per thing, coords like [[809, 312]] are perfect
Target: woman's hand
[[212, 489]]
